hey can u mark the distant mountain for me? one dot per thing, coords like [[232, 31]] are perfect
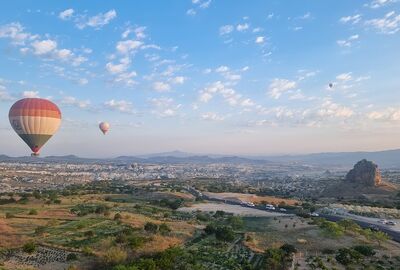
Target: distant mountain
[[385, 159], [179, 154]]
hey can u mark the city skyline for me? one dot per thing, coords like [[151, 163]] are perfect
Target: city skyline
[[205, 76]]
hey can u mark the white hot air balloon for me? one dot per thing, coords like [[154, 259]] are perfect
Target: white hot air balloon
[[104, 127]]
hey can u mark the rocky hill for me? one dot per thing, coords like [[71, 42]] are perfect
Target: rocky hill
[[365, 173], [363, 180]]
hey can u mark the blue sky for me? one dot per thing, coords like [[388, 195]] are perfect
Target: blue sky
[[205, 76]]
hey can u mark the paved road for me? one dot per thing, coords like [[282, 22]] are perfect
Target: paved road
[[393, 232]]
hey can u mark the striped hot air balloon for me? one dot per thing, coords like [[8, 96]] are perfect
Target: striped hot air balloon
[[104, 127], [35, 120]]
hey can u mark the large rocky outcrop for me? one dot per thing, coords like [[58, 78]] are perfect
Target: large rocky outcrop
[[365, 173]]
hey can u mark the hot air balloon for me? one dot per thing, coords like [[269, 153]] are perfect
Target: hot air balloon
[[104, 127], [330, 85], [35, 120]]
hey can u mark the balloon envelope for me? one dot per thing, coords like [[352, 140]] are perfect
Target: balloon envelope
[[330, 85], [35, 120], [104, 127]]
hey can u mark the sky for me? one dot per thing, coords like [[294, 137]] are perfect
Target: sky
[[205, 76]]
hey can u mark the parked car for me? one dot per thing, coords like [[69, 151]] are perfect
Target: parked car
[[314, 214], [269, 207]]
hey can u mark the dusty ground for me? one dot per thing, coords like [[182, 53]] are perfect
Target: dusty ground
[[251, 198], [234, 209]]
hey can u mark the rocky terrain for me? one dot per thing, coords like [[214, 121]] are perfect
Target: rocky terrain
[[364, 179], [365, 173]]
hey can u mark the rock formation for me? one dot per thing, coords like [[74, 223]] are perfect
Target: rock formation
[[365, 173]]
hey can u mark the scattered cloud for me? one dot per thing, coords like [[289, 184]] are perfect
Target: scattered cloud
[[226, 29], [119, 105], [387, 115], [74, 102], [66, 14], [344, 77], [351, 19], [198, 5], [348, 42], [380, 3], [279, 86], [389, 24], [211, 116], [260, 40], [242, 27], [161, 87], [97, 21], [165, 107], [30, 94]]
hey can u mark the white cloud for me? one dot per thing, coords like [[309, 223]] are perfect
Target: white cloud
[[72, 101], [165, 107], [66, 14], [161, 86], [348, 42], [381, 3], [118, 68], [389, 24], [226, 29], [119, 105], [178, 80], [247, 103], [126, 78], [279, 86], [98, 21], [139, 32], [44, 46], [351, 19], [222, 69], [344, 77], [331, 109], [191, 12], [242, 27], [127, 46], [260, 39], [387, 115], [15, 32], [30, 94], [211, 116]]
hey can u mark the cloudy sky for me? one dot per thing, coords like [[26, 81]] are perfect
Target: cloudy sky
[[205, 76]]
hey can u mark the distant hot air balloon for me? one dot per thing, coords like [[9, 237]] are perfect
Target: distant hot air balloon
[[104, 127], [35, 120], [330, 85]]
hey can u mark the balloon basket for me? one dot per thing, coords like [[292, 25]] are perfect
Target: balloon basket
[[34, 154]]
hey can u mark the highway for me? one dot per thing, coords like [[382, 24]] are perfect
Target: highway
[[364, 222]]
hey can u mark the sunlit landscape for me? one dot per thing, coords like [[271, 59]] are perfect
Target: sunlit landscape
[[200, 135]]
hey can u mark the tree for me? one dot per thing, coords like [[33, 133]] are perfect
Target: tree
[[210, 229], [117, 216], [379, 237], [29, 247], [349, 225], [236, 222], [365, 250], [164, 228], [348, 256], [225, 233], [9, 215], [151, 227], [33, 212], [274, 259], [288, 249]]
